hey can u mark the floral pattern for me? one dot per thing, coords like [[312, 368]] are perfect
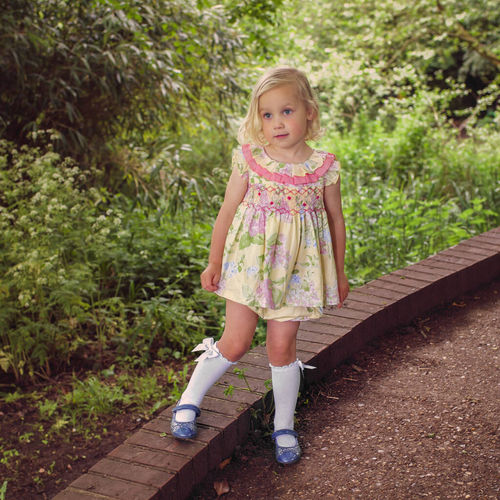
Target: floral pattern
[[278, 257]]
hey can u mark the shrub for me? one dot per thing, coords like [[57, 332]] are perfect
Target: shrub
[[86, 273], [94, 70]]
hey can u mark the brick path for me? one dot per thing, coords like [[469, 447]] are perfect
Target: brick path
[[152, 465]]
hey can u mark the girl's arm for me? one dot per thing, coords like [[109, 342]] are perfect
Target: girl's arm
[[333, 206], [235, 191]]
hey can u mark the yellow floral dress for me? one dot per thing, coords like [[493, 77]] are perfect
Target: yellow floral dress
[[278, 256]]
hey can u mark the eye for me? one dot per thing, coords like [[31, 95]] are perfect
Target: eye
[[287, 112], [266, 116]]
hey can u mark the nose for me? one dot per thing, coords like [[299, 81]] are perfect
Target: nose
[[277, 122]]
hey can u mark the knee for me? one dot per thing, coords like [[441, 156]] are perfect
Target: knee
[[233, 351], [281, 353]]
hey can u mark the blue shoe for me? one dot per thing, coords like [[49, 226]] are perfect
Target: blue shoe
[[184, 430], [286, 454]]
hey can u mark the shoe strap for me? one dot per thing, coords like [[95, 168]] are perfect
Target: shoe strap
[[282, 432], [187, 407]]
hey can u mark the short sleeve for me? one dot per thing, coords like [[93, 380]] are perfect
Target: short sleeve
[[239, 163], [333, 173]]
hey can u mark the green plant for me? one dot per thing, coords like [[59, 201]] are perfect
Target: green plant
[[92, 398], [3, 490], [47, 408], [93, 70], [8, 455]]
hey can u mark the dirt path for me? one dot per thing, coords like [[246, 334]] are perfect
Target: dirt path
[[415, 415]]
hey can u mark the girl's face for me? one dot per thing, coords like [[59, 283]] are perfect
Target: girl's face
[[284, 117]]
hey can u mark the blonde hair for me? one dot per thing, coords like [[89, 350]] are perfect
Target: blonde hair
[[251, 127]]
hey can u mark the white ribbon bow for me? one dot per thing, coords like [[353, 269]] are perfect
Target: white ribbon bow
[[302, 366], [208, 345]]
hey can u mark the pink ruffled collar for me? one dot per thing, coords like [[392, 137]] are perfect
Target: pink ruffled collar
[[301, 173]]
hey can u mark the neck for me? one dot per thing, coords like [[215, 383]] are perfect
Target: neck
[[296, 154]]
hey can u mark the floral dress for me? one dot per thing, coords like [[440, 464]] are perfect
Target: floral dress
[[278, 256]]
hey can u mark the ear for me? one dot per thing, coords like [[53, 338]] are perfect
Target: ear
[[310, 114]]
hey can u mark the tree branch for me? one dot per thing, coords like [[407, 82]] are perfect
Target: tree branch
[[462, 34]]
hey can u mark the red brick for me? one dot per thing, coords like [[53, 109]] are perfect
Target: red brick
[[71, 494], [378, 294], [215, 448], [492, 239], [393, 283], [319, 326], [489, 242], [157, 441], [230, 438], [138, 473], [425, 267], [384, 290], [452, 259], [253, 358], [422, 273], [426, 275], [312, 347], [254, 371], [331, 318], [215, 420], [146, 456], [355, 302], [406, 280], [477, 247], [256, 385], [115, 488], [363, 295], [449, 265], [237, 395], [229, 408], [319, 338], [347, 312], [462, 253], [489, 239], [260, 349]]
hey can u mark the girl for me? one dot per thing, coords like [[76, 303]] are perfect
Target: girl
[[277, 249]]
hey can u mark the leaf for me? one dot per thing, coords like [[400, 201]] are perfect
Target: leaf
[[221, 487], [245, 241]]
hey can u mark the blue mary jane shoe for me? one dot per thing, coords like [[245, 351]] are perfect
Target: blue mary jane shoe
[[184, 430], [286, 454]]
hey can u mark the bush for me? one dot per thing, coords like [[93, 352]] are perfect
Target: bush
[[412, 188], [96, 70], [85, 274]]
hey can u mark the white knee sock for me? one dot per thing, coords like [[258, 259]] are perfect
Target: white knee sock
[[286, 382], [211, 366]]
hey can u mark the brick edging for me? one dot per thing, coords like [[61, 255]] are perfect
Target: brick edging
[[151, 465]]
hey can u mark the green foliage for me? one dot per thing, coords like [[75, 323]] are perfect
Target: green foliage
[[91, 70], [83, 272], [365, 52], [417, 184], [109, 393], [3, 490]]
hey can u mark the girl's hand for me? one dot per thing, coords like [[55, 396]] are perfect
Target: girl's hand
[[210, 277], [343, 285]]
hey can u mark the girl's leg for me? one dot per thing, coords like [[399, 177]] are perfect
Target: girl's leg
[[234, 343], [285, 371]]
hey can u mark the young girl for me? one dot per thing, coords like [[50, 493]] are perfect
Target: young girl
[[277, 249]]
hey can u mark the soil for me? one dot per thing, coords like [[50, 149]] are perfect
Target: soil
[[413, 415]]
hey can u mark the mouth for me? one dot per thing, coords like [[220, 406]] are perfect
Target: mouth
[[280, 136]]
